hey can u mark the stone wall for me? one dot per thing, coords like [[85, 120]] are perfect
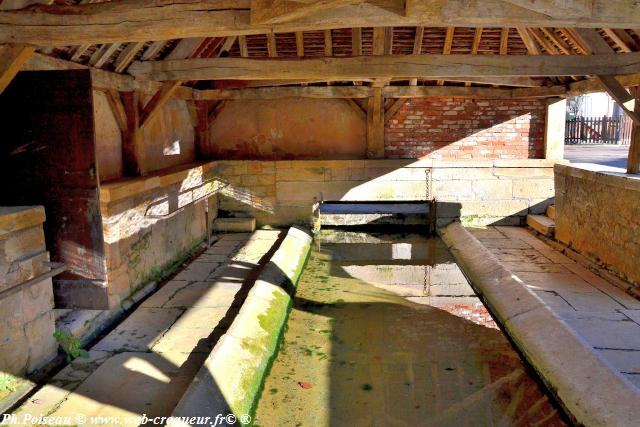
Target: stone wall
[[27, 323], [480, 191], [149, 223], [449, 128], [597, 214]]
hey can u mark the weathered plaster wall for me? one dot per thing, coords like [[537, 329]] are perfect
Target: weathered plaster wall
[[480, 192], [151, 222], [169, 138], [597, 214], [108, 139], [27, 325], [288, 129], [448, 128]]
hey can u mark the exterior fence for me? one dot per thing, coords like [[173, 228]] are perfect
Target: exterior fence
[[598, 130]]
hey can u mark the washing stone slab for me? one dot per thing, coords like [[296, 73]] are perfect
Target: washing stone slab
[[559, 343]]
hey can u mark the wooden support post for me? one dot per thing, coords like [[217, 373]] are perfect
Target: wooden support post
[[375, 124], [133, 149], [633, 160], [201, 128], [12, 58], [555, 129]]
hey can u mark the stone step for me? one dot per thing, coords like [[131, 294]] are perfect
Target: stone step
[[551, 212], [235, 225], [542, 224]]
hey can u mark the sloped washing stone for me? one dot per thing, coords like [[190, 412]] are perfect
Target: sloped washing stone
[[230, 380], [555, 342]]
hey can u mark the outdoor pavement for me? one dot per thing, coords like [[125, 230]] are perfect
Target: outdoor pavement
[[607, 155], [605, 317], [148, 361]]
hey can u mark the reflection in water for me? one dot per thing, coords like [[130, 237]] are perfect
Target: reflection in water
[[385, 331]]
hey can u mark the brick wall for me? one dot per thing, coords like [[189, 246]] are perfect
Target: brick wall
[[448, 128]]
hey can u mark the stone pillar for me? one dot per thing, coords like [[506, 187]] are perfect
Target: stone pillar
[[555, 128], [27, 320]]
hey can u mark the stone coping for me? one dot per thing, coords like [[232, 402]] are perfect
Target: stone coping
[[231, 379], [14, 218], [589, 389], [606, 175], [111, 191]]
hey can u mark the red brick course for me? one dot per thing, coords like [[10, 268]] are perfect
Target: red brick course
[[449, 128]]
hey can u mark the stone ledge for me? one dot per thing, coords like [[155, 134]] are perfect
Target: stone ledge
[[14, 218], [231, 378], [587, 387], [123, 188], [605, 175]]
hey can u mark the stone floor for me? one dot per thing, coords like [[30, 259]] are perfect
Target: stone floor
[[607, 318], [146, 363]]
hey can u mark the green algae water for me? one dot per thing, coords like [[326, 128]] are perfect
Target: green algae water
[[386, 331]]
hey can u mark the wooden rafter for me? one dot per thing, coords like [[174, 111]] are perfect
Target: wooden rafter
[[623, 40], [504, 41], [244, 49], [387, 67], [126, 56], [529, 42], [356, 41], [101, 55], [328, 43], [142, 20], [300, 44], [446, 49], [272, 48], [559, 43], [417, 48], [12, 58]]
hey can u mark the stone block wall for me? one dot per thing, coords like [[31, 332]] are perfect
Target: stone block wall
[[149, 223], [27, 320], [479, 192], [449, 128], [598, 215]]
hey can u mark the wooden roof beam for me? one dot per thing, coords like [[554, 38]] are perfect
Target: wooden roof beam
[[387, 67], [279, 11], [143, 20]]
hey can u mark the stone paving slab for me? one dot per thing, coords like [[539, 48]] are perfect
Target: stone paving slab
[[607, 318], [146, 363]]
